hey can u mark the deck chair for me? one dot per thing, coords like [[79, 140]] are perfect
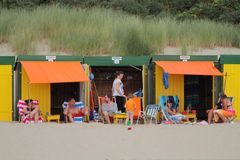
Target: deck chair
[[25, 118], [138, 114], [100, 113], [162, 103], [151, 112], [77, 105]]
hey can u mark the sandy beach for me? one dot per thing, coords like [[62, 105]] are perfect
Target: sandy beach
[[106, 142]]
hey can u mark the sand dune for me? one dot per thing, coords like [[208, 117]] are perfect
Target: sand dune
[[44, 49]]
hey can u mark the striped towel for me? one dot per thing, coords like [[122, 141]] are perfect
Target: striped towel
[[21, 104], [26, 119], [77, 104]]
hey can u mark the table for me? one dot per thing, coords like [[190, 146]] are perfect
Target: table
[[53, 117], [192, 116]]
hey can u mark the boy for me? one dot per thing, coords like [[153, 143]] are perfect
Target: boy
[[130, 108]]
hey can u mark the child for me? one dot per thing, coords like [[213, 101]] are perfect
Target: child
[[130, 108]]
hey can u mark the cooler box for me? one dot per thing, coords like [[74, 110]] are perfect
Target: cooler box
[[78, 119]]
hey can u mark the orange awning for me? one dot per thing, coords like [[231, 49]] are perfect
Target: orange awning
[[54, 72], [189, 68]]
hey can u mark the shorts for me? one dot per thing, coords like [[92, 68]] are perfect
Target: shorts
[[79, 114], [110, 113], [130, 113]]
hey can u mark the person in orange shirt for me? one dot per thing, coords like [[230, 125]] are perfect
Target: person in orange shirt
[[130, 106]]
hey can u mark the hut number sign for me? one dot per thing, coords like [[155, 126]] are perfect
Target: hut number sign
[[116, 60], [50, 58], [184, 58]]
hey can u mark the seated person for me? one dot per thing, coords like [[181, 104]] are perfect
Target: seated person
[[174, 114], [71, 111], [218, 106], [108, 108], [31, 110], [226, 112]]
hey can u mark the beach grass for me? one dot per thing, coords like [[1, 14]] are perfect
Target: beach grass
[[102, 31]]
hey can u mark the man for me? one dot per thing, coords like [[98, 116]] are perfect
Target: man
[[108, 108], [72, 110]]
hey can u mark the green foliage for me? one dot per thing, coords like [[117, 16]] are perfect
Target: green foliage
[[100, 31], [218, 10]]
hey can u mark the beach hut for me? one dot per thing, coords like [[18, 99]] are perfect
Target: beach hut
[[103, 69], [6, 87], [191, 78], [231, 80], [51, 80]]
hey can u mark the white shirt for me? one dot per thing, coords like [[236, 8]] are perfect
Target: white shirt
[[114, 87]]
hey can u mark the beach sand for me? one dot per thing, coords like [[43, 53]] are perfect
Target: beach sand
[[114, 142]]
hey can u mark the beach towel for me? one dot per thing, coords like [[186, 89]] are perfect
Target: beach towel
[[25, 118], [165, 80], [77, 104]]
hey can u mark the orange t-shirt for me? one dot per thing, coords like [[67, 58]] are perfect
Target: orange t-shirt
[[130, 105]]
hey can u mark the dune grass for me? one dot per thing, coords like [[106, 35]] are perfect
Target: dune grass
[[100, 31]]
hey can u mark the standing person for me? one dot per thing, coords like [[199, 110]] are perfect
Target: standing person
[[130, 108], [118, 91]]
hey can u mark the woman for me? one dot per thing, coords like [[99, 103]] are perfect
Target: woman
[[226, 112], [174, 115], [31, 110], [118, 91], [218, 106]]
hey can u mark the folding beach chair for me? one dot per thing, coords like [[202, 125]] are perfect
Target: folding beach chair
[[25, 118], [100, 113], [151, 112], [79, 105], [165, 114]]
